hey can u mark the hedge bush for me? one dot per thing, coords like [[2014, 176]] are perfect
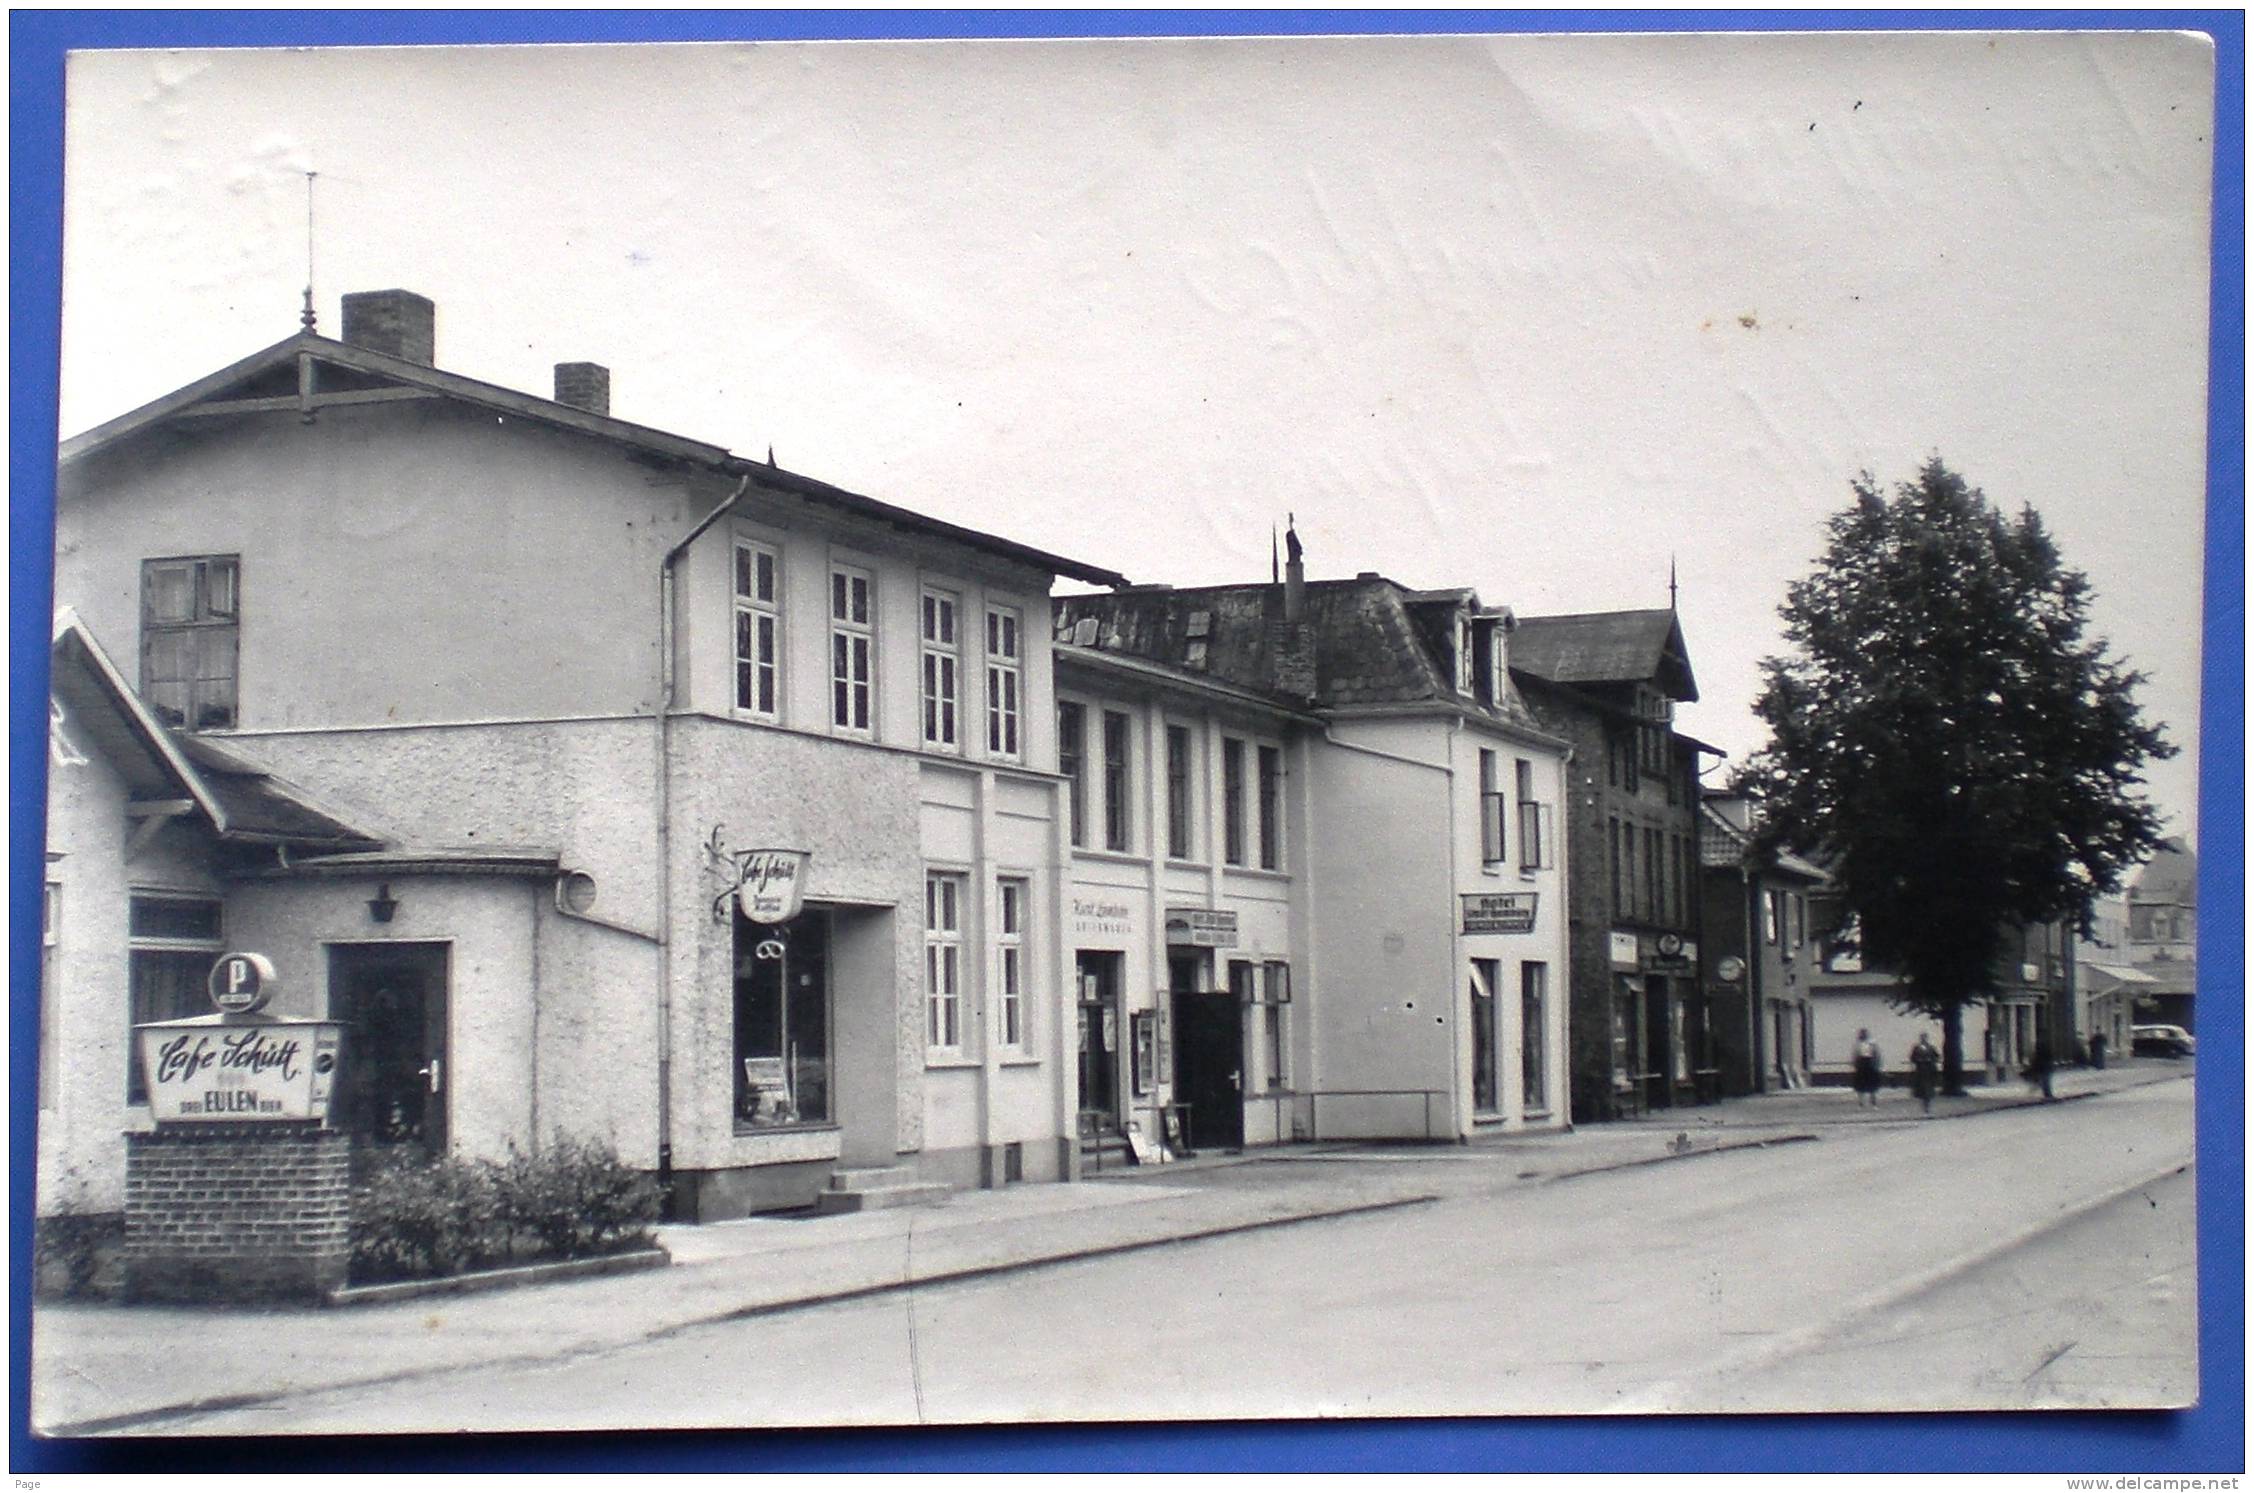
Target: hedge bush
[[416, 1216]]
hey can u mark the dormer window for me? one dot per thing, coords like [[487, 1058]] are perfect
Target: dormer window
[[1463, 654]]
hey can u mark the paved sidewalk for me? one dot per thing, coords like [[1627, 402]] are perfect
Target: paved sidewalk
[[100, 1368]]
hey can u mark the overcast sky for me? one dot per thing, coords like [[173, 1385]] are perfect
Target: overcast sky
[[1537, 315]]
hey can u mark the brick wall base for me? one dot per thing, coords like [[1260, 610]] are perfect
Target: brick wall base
[[239, 1212]]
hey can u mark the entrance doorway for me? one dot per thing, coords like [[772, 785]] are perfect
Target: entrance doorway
[[1099, 1036], [1209, 1066], [1661, 1032], [391, 1083]]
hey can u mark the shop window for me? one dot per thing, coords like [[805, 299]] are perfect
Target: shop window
[[1005, 683], [1275, 1007], [1485, 975], [191, 615], [1271, 767], [758, 610], [942, 669], [1232, 801], [1533, 1036], [852, 649], [943, 963], [171, 942], [1009, 959], [1178, 840], [1117, 823], [1493, 808], [782, 1071], [1072, 762]]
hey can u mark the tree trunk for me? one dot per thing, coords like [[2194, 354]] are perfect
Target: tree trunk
[[1952, 1048]]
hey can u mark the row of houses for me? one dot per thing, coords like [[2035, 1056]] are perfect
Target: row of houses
[[471, 709]]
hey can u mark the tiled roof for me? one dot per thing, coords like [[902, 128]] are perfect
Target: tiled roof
[[1606, 648]]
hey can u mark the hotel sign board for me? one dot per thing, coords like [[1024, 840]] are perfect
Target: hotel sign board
[[1201, 927], [1499, 912]]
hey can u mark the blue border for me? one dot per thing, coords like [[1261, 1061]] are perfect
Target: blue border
[[2210, 1439]]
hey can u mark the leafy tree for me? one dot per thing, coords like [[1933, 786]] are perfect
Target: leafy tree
[[1945, 736]]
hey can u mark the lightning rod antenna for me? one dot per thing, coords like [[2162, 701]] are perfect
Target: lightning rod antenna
[[305, 317]]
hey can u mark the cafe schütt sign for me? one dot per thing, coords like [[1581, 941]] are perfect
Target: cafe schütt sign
[[239, 1064]]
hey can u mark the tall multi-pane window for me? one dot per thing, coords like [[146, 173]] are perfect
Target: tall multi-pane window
[[943, 961], [1009, 959], [1072, 762], [191, 617], [1275, 1002], [852, 648], [942, 669], [1271, 767], [1116, 823], [1773, 917], [1628, 867], [1533, 1029], [759, 624], [1612, 848], [1178, 792], [1534, 849], [171, 943], [1005, 665], [1232, 801], [1491, 808], [1653, 907]]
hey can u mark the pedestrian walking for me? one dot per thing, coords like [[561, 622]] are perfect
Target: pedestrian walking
[[1925, 1058], [1867, 1069], [2097, 1051], [2038, 1070]]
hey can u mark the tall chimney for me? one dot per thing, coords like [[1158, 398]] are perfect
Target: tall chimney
[[584, 386], [396, 322], [1295, 578]]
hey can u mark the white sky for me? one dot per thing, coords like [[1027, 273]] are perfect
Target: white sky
[[1533, 314]]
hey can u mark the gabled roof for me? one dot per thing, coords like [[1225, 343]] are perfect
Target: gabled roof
[[267, 382], [1606, 648], [1725, 838], [238, 800], [2171, 876], [1369, 647]]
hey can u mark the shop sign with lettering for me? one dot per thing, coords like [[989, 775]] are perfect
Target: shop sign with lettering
[[1201, 927], [217, 1068], [1499, 912], [1623, 951], [773, 885], [1100, 917]]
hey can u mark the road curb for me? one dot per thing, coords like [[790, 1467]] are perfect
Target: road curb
[[1664, 1398], [126, 1420], [1620, 1166]]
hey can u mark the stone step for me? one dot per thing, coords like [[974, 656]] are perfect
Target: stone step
[[861, 1178], [867, 1199]]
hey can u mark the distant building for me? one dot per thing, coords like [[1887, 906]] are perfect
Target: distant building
[[1336, 889], [2106, 978], [1609, 682], [1760, 949], [2031, 983], [2164, 934]]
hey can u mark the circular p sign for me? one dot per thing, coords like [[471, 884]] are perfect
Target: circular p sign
[[242, 983]]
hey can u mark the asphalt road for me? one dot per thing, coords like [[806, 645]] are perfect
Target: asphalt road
[[1955, 1263]]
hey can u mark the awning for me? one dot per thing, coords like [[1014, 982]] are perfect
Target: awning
[[2120, 973]]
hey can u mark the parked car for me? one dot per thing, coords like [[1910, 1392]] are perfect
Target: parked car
[[2160, 1041]]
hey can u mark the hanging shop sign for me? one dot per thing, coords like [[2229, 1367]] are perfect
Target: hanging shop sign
[[772, 884], [1201, 927], [1499, 912]]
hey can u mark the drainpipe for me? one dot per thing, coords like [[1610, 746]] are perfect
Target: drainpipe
[[664, 738]]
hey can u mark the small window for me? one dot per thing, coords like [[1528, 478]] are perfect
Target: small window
[[1232, 801], [1117, 822], [942, 669], [1009, 960], [1271, 766], [1178, 810], [852, 649], [759, 622], [191, 614], [172, 942], [1072, 763], [943, 963], [1772, 917], [1005, 683]]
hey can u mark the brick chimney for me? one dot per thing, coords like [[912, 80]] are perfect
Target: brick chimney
[[398, 322], [584, 386]]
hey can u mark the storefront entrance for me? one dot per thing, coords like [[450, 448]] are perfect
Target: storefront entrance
[[1209, 1066], [1099, 1036], [391, 1086]]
